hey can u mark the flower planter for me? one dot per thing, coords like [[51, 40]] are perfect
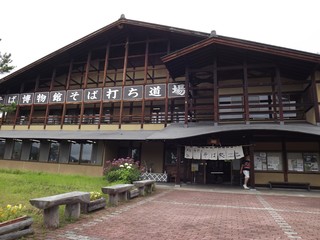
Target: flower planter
[[93, 205], [16, 228]]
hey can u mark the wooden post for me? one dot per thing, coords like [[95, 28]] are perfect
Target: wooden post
[[279, 89], [284, 160], [146, 60], [186, 98], [85, 83], [245, 92], [124, 76], [178, 165], [105, 73], [215, 93], [32, 106], [251, 153], [315, 98], [167, 99], [67, 88]]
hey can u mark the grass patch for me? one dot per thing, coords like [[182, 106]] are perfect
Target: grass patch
[[18, 187]]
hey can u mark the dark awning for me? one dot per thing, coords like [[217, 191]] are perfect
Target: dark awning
[[178, 131], [173, 131], [76, 135]]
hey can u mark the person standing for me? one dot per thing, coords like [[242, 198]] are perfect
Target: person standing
[[245, 170]]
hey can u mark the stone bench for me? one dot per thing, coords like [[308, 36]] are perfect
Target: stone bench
[[50, 206], [117, 192], [305, 185], [144, 186]]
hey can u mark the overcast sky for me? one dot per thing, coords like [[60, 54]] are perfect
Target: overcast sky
[[31, 29]]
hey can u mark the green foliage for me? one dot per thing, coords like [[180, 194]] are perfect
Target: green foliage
[[5, 63], [8, 108], [18, 187], [123, 170], [11, 212]]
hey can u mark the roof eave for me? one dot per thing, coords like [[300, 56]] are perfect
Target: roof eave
[[244, 44], [99, 31]]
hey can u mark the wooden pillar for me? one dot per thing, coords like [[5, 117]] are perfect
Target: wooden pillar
[[284, 160], [215, 93], [48, 105], [315, 98], [186, 98], [124, 76], [279, 93], [85, 84], [178, 163], [18, 107], [167, 99], [105, 74], [146, 60], [251, 153], [64, 108], [274, 99], [36, 87], [245, 93]]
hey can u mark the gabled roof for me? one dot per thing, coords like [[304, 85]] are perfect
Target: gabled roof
[[177, 61], [102, 35]]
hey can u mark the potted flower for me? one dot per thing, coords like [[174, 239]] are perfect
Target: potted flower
[[14, 223], [97, 201]]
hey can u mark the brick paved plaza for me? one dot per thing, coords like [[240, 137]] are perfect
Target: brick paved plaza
[[194, 213]]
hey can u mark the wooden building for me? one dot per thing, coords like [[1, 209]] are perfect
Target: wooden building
[[147, 91]]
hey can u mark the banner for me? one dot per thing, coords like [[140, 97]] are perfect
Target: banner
[[213, 153]]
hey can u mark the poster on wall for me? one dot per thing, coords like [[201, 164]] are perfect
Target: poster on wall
[[194, 167], [311, 162], [274, 163], [260, 161], [295, 162]]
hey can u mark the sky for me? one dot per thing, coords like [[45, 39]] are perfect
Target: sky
[[32, 29]]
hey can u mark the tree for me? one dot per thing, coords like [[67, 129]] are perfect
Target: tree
[[5, 60], [5, 63], [7, 108]]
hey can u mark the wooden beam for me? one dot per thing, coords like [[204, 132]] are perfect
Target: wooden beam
[[125, 62], [215, 92], [245, 92], [186, 98], [146, 61], [48, 105], [106, 65], [279, 89], [315, 97]]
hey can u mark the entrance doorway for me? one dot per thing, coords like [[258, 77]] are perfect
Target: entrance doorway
[[211, 172], [218, 172]]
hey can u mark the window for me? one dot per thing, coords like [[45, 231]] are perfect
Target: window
[[303, 162], [171, 156], [54, 152], [16, 152], [81, 153], [75, 153], [2, 148], [34, 151], [231, 108], [86, 153], [132, 152], [260, 107], [268, 161]]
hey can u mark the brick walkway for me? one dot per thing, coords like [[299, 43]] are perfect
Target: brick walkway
[[176, 214]]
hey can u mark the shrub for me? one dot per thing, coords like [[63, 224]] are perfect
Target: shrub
[[124, 170]]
